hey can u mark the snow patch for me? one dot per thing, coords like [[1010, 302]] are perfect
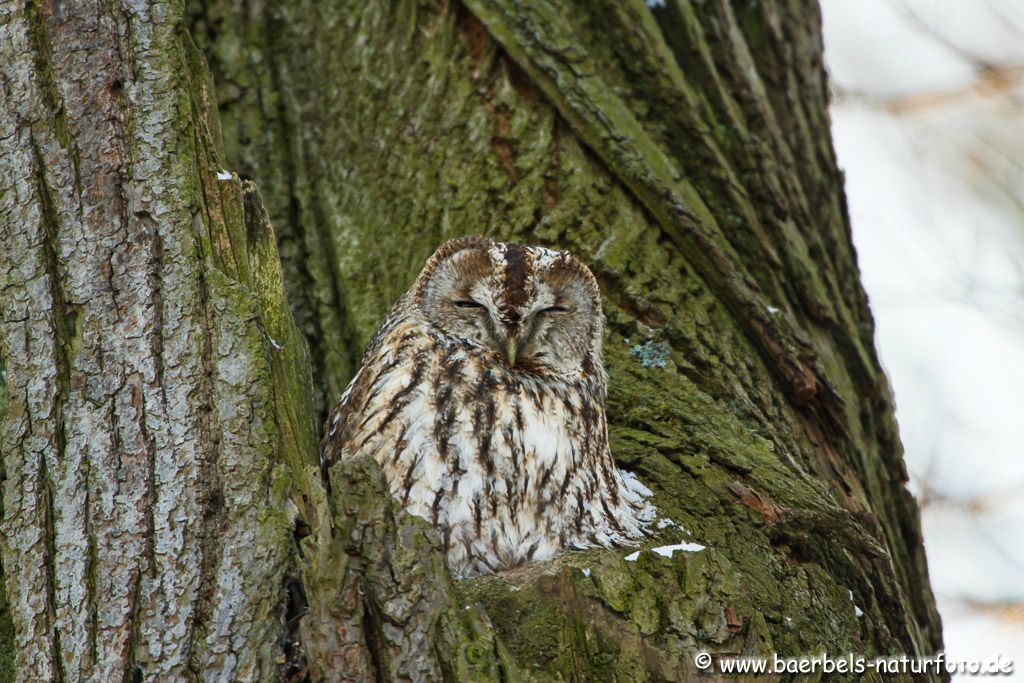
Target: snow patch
[[223, 175], [668, 550], [586, 572], [633, 484], [856, 610]]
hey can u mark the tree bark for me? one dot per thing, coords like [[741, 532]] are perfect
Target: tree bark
[[164, 515], [155, 404]]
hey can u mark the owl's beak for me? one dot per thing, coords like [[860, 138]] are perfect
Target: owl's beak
[[511, 346]]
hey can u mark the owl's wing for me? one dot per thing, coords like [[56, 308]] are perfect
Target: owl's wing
[[379, 359], [398, 313]]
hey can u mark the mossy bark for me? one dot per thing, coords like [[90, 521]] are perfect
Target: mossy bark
[[684, 152], [158, 405]]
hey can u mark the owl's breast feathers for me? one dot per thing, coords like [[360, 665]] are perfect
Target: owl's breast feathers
[[509, 467]]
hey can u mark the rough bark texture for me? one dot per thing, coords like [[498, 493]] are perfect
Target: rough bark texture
[[157, 402], [155, 389]]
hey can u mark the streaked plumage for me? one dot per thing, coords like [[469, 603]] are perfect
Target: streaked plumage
[[482, 397]]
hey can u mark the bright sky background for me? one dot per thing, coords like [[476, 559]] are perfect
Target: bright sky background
[[928, 118]]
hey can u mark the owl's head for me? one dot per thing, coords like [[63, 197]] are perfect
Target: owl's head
[[537, 310]]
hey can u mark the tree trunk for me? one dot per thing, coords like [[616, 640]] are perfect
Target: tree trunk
[[155, 409], [164, 515]]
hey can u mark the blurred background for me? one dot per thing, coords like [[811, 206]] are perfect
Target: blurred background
[[928, 116]]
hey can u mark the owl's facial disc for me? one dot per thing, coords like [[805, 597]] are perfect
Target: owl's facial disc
[[533, 309]]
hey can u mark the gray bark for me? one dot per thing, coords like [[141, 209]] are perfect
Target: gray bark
[[144, 529]]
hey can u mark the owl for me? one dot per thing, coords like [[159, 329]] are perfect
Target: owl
[[482, 397]]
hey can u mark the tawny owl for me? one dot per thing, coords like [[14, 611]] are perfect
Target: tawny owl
[[482, 396]]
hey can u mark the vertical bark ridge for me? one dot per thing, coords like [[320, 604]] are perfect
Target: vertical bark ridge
[[262, 119]]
